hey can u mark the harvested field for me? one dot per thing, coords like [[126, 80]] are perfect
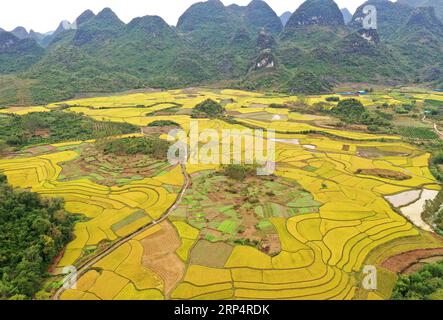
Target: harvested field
[[404, 198], [159, 255], [374, 152], [384, 173], [414, 211], [405, 262], [212, 255]]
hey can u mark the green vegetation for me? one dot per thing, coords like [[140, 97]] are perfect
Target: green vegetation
[[417, 133], [237, 210], [314, 52], [433, 103], [151, 146], [307, 82], [433, 213], [239, 172], [18, 54], [208, 109], [437, 164], [54, 127], [326, 11], [33, 231], [427, 284], [163, 123], [352, 111], [278, 106]]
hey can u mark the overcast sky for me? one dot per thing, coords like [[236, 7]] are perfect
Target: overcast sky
[[45, 15]]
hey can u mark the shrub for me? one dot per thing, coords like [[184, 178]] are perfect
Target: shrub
[[208, 109], [351, 108], [58, 126], [151, 146], [239, 172], [278, 106], [427, 284], [417, 133], [163, 123]]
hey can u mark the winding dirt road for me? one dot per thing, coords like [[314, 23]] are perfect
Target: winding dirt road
[[81, 270], [437, 131]]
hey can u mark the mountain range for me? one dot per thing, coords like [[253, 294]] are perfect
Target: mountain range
[[436, 4], [248, 47]]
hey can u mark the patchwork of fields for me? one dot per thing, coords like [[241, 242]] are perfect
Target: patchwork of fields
[[308, 234]]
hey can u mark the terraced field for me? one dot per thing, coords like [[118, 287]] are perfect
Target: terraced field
[[110, 212], [310, 238]]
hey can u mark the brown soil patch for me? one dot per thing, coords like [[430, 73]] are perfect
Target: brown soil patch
[[159, 255], [408, 262], [414, 268], [212, 255], [43, 133], [158, 130], [40, 149], [346, 147], [374, 152], [384, 173], [271, 244]]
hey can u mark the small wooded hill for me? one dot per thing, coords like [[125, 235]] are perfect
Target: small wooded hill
[[240, 46], [34, 231]]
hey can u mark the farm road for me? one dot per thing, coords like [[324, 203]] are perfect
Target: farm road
[[88, 264], [437, 131]]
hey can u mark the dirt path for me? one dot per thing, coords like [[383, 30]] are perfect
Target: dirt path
[[88, 264], [437, 131]]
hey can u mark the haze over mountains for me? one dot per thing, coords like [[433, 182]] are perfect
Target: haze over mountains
[[437, 4], [240, 46]]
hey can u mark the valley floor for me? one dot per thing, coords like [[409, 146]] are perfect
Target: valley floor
[[170, 232]]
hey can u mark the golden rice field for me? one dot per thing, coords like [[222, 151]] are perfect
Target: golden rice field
[[322, 254]]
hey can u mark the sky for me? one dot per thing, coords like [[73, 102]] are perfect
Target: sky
[[45, 15]]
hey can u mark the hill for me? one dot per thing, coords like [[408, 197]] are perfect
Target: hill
[[391, 16], [421, 41], [436, 4], [347, 16], [239, 46], [285, 17], [17, 54]]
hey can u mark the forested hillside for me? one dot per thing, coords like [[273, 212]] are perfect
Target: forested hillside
[[239, 46]]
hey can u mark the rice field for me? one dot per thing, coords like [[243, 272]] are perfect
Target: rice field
[[328, 225]]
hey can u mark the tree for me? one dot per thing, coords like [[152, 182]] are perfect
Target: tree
[[426, 284], [351, 108], [32, 232], [208, 109], [3, 147]]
